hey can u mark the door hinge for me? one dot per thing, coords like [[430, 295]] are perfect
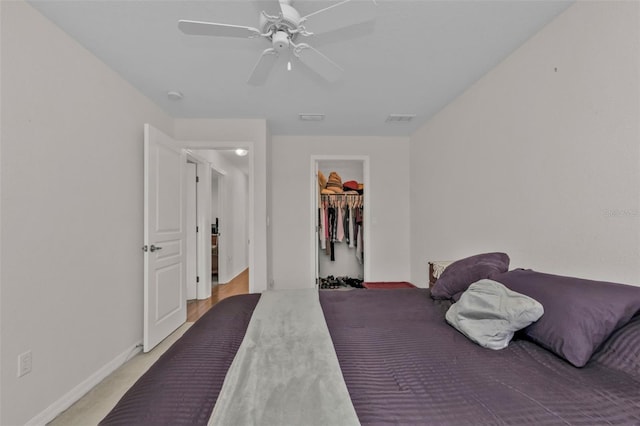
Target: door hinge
[[197, 179], [197, 279], [197, 229]]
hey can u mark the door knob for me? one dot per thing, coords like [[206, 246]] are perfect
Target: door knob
[[154, 248]]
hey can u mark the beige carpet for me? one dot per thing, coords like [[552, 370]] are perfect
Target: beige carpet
[[97, 403]]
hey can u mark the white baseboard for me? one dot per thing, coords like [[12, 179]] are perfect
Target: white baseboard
[[79, 391], [237, 273]]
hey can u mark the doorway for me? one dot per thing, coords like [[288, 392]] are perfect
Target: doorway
[[223, 207], [344, 258]]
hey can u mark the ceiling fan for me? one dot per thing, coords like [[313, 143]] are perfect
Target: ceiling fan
[[283, 27]]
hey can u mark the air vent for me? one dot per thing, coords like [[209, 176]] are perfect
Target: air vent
[[311, 117], [400, 118]]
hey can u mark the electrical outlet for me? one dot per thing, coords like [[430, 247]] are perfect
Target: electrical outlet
[[24, 363]]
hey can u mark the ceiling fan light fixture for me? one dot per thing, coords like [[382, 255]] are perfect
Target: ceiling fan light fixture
[[241, 152]]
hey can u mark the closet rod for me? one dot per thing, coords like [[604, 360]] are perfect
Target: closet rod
[[341, 195], [351, 199]]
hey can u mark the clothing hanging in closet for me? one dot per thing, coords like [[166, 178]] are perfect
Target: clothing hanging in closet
[[341, 220]]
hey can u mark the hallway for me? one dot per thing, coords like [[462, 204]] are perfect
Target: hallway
[[238, 285]]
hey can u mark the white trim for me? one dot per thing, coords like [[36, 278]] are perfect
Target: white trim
[[313, 252], [204, 236], [195, 157], [192, 244], [315, 192], [367, 216], [203, 194], [74, 395]]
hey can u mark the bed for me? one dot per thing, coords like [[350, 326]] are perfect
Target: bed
[[403, 363]]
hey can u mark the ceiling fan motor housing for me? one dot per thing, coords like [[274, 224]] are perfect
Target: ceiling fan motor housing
[[280, 41], [288, 23]]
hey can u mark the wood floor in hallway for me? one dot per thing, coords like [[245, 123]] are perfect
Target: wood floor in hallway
[[238, 285]]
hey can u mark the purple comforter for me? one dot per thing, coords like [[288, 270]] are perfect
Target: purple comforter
[[402, 364]]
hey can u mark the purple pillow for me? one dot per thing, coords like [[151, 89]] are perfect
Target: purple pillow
[[579, 315], [458, 276], [621, 351]]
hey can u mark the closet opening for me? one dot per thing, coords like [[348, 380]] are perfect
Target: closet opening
[[341, 228]]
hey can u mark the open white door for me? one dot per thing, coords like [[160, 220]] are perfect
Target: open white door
[[165, 306]]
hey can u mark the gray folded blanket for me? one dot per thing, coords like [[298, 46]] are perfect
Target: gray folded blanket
[[286, 371]]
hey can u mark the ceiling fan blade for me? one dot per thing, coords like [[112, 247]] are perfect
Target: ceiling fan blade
[[318, 63], [216, 30], [270, 7], [340, 15], [263, 67]]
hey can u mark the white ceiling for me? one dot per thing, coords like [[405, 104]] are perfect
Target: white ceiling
[[414, 58]]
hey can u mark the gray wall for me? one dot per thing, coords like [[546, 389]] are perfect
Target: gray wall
[[388, 205], [540, 158], [72, 212]]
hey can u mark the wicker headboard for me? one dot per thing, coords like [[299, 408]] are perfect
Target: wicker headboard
[[436, 268]]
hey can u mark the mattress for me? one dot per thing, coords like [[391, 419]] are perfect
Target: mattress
[[402, 364]]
